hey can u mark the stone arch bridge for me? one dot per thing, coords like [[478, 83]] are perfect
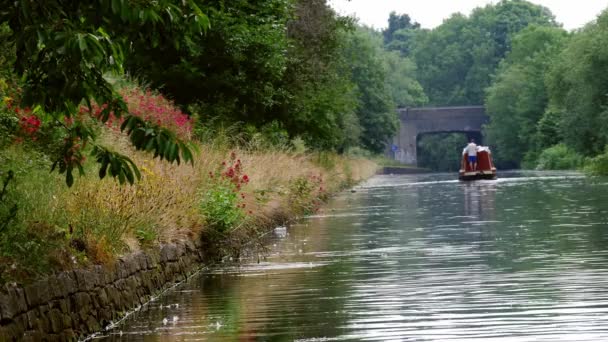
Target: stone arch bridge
[[416, 122]]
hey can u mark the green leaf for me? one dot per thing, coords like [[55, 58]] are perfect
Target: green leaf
[[81, 42], [69, 178]]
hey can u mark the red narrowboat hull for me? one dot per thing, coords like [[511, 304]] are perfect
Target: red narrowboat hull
[[485, 167]]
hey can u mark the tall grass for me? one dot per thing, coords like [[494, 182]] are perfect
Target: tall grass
[[95, 221]]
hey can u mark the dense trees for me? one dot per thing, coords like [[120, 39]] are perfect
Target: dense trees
[[549, 98], [457, 59], [518, 97], [233, 71], [578, 88], [322, 103]]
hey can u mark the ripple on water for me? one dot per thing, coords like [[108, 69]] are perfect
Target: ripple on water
[[413, 258]]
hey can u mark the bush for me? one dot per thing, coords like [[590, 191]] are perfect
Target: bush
[[559, 157], [306, 194], [598, 166], [222, 204]]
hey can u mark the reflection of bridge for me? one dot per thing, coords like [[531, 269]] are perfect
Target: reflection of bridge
[[418, 121]]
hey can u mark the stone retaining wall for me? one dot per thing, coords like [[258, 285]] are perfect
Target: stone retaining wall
[[75, 304]]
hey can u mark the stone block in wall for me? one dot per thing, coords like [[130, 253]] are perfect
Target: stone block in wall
[[82, 301], [167, 253], [18, 296], [152, 260], [190, 247], [102, 297], [67, 282], [92, 325], [113, 296], [121, 270], [130, 264], [141, 260], [32, 319], [55, 321], [67, 335], [180, 249], [66, 320], [38, 293], [32, 336], [8, 307], [85, 279]]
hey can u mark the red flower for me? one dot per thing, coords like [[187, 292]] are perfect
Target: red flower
[[30, 124]]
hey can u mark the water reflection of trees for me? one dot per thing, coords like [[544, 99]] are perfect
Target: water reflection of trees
[[384, 243], [285, 305]]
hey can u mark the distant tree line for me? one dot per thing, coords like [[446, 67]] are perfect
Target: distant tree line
[[545, 89]]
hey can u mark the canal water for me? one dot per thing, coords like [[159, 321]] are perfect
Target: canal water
[[412, 258]]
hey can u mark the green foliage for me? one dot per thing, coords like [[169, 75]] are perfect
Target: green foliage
[[578, 84], [376, 112], [518, 97], [7, 50], [28, 246], [306, 194], [456, 59], [559, 157], [270, 136], [441, 152], [298, 145], [220, 207], [396, 23], [598, 166], [146, 236], [401, 82], [222, 203], [62, 66], [8, 126], [233, 71], [400, 33], [547, 129], [8, 211], [322, 97]]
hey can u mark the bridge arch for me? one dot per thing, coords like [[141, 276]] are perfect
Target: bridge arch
[[417, 121]]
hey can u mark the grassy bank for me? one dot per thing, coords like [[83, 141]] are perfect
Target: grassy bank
[[230, 194]]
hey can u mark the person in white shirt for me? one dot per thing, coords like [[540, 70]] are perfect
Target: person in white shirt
[[471, 150]]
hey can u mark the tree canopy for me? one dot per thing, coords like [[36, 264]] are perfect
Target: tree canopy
[[518, 97], [457, 59], [63, 52]]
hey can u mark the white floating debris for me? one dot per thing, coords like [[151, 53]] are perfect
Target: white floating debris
[[281, 231]]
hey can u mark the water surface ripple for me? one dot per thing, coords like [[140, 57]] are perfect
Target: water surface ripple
[[412, 258]]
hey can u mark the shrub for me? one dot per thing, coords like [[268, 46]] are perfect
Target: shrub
[[306, 194], [8, 120], [559, 157], [598, 166], [222, 203]]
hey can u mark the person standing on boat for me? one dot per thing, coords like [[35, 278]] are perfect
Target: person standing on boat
[[471, 151]]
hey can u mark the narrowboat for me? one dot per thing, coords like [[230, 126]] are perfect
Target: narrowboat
[[485, 166]]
